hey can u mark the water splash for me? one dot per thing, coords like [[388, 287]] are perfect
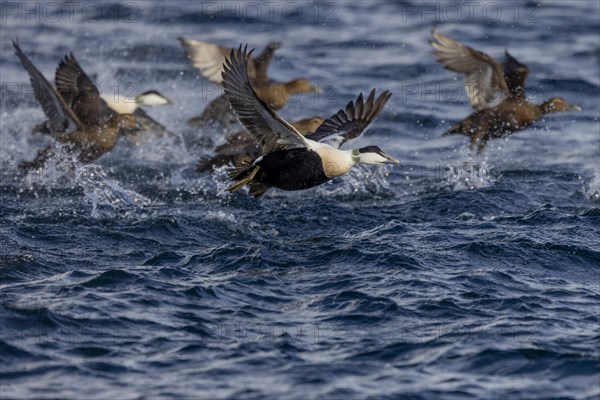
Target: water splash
[[470, 175], [208, 184], [592, 189], [59, 171], [101, 191], [361, 179], [155, 148]]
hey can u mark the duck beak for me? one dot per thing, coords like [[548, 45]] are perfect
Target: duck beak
[[574, 107], [389, 160], [315, 89], [168, 100]]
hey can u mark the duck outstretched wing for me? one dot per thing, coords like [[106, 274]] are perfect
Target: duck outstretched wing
[[60, 117], [208, 58], [515, 74], [351, 121], [80, 93], [270, 130], [262, 63], [484, 77]]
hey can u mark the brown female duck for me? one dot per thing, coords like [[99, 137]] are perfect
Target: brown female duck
[[76, 116], [495, 91], [208, 58]]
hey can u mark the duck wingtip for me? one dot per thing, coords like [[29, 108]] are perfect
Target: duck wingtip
[[16, 45]]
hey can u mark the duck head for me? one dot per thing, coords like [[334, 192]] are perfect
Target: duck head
[[558, 104], [372, 155], [152, 98], [308, 125], [301, 85]]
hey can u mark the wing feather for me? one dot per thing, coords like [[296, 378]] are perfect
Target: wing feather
[[60, 117], [515, 74], [80, 93], [209, 58], [484, 76], [271, 131], [262, 63], [349, 123]]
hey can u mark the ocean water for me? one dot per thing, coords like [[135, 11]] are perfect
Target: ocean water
[[444, 277]]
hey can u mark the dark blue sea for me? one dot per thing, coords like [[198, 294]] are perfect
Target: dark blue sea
[[445, 277]]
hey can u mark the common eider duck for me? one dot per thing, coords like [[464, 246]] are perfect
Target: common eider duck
[[148, 125], [76, 115], [495, 91], [109, 104], [242, 145], [288, 160], [208, 58], [67, 76]]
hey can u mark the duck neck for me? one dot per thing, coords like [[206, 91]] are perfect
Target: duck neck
[[335, 162], [547, 107], [354, 156], [295, 87], [115, 125]]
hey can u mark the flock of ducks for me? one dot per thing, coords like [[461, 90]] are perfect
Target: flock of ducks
[[272, 152]]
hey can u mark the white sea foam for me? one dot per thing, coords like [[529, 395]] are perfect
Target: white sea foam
[[100, 190], [469, 176], [592, 188]]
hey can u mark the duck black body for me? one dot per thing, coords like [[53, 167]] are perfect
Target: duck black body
[[275, 169]]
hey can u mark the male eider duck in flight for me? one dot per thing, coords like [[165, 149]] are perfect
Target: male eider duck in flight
[[242, 145], [109, 104], [77, 117], [496, 92], [288, 160], [208, 59]]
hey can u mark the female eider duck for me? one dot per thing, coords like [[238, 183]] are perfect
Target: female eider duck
[[242, 145], [77, 117], [496, 92], [288, 160], [208, 59]]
